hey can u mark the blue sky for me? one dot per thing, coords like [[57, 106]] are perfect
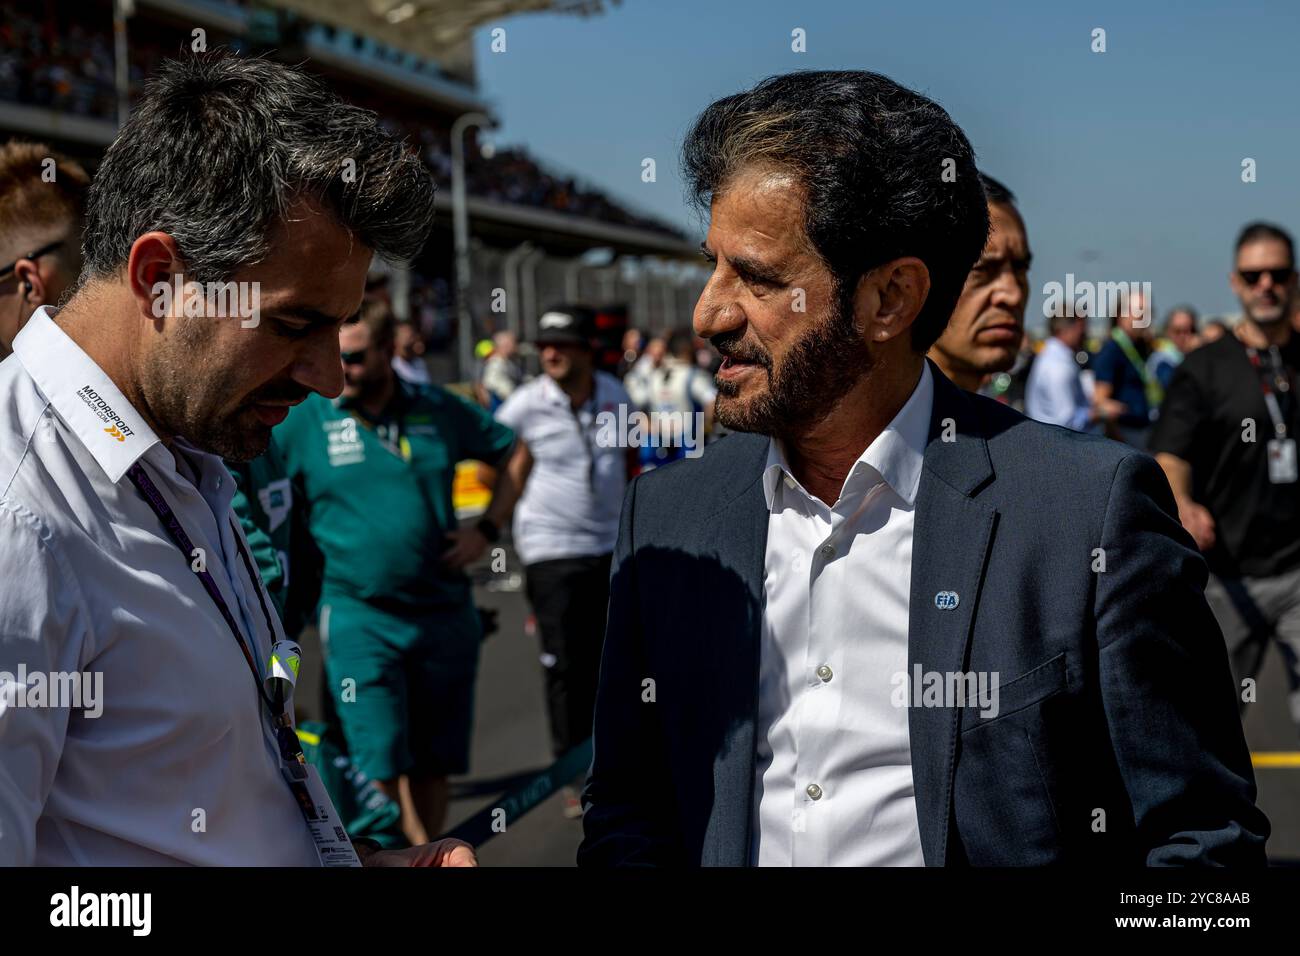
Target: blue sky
[[1126, 164]]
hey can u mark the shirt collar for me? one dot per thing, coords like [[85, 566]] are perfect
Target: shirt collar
[[552, 392], [896, 455], [85, 397]]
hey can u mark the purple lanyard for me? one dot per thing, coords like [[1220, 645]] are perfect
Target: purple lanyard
[[285, 736]]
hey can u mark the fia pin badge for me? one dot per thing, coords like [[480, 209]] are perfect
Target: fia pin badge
[[946, 600]]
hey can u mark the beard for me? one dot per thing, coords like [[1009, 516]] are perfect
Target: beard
[[821, 367], [188, 391]]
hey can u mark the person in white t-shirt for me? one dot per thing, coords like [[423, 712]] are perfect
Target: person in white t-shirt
[[572, 421]]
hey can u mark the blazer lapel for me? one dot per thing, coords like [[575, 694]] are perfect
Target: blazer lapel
[[736, 535], [953, 532]]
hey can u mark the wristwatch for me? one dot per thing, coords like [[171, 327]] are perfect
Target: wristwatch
[[488, 529]]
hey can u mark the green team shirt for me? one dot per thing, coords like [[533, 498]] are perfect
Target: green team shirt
[[265, 504], [378, 493]]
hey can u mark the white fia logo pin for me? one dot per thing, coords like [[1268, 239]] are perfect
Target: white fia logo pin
[[946, 600]]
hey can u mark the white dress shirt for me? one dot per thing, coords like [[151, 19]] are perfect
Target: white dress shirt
[[571, 501], [1054, 392], [833, 778], [180, 766]]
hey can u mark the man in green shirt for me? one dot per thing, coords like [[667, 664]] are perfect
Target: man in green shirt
[[396, 617], [265, 505]]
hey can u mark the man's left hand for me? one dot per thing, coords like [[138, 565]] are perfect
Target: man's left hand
[[467, 546]]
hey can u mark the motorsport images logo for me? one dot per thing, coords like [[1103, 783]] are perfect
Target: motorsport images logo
[[104, 412]]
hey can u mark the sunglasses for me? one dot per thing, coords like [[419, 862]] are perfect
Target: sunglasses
[[355, 358], [1279, 276], [42, 251]]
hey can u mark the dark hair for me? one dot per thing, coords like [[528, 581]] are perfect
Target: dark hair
[[376, 315], [1061, 319], [681, 340], [1256, 231], [219, 147], [886, 173], [996, 192]]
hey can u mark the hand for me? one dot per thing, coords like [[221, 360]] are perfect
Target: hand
[[1107, 410], [441, 853], [1199, 523], [467, 546]]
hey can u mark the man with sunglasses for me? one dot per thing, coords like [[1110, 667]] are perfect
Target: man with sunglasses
[[1226, 438], [42, 200], [397, 618]]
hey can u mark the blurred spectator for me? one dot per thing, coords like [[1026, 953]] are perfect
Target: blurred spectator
[[573, 469], [501, 371], [1121, 374], [681, 397], [42, 202], [408, 355], [1226, 440], [1214, 330], [633, 343], [639, 380], [1179, 338], [1055, 392]]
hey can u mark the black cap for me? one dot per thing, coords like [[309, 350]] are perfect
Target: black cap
[[567, 325]]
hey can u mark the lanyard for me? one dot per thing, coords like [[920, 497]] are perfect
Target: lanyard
[[586, 434], [1151, 386], [280, 719], [1281, 381]]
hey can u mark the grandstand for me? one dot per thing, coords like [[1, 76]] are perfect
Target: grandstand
[[537, 233]]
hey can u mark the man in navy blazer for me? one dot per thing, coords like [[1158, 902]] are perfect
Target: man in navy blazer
[[889, 621]]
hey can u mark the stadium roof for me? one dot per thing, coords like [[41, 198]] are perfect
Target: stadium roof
[[428, 28]]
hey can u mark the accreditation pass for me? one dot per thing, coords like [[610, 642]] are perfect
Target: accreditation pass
[[332, 843]]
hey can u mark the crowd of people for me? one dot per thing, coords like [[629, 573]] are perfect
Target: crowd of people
[[727, 619], [67, 66]]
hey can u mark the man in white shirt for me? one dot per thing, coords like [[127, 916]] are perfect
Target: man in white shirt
[[1055, 392], [120, 555], [851, 634], [680, 404], [571, 424]]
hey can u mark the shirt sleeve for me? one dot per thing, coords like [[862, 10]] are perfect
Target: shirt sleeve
[[1181, 416], [44, 629], [512, 411], [479, 435]]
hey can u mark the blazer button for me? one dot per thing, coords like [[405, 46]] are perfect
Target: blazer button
[[826, 551], [825, 673], [814, 791]]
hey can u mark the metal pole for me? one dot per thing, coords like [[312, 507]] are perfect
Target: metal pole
[[514, 304], [460, 227], [121, 67]]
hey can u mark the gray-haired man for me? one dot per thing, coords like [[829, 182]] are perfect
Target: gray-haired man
[[260, 197]]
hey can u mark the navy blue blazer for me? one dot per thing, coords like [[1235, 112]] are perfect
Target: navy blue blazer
[[1115, 692]]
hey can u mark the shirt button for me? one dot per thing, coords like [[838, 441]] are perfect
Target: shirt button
[[825, 673], [814, 791], [826, 551]]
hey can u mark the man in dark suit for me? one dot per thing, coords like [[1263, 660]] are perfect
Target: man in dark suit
[[894, 623]]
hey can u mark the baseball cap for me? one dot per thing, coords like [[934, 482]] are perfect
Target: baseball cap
[[566, 325]]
